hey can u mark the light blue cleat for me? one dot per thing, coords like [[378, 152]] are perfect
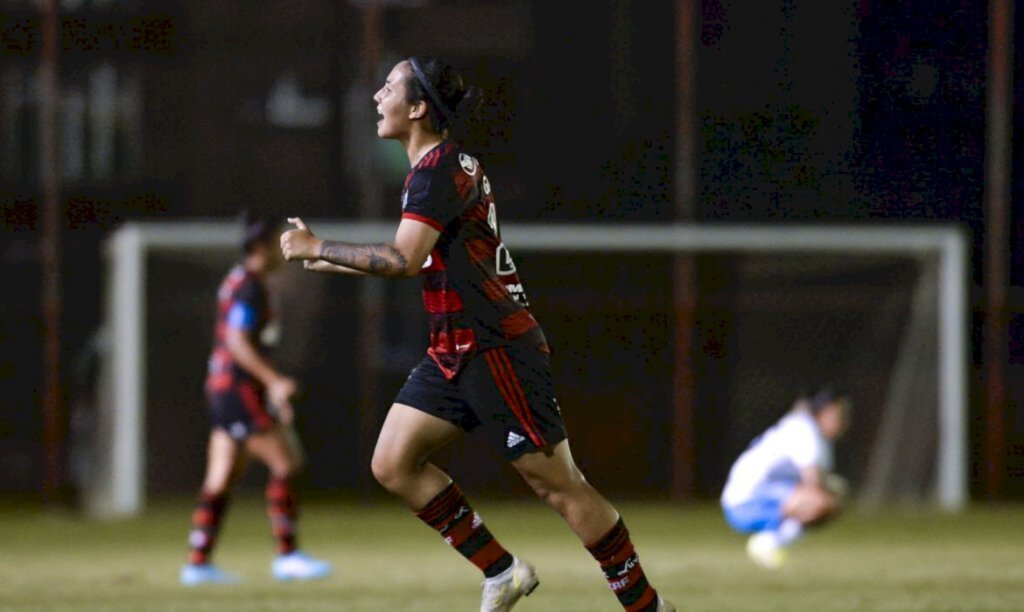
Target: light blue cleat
[[299, 566], [206, 573]]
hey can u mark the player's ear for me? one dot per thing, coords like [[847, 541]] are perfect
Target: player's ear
[[418, 110]]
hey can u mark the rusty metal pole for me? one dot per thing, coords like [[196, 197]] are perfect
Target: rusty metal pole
[[997, 210], [50, 255], [684, 272], [371, 290]]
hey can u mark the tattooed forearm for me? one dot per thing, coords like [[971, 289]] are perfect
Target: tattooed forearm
[[376, 259]]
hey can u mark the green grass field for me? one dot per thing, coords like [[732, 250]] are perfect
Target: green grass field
[[386, 560]]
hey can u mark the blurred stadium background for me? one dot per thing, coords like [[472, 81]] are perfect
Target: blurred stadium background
[[711, 113]]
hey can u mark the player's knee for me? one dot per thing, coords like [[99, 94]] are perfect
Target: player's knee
[[285, 469], [382, 470], [218, 484], [559, 500], [539, 486], [218, 489], [388, 470], [544, 488], [825, 508], [556, 490], [833, 506]]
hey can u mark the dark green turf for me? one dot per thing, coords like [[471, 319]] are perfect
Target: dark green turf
[[387, 560]]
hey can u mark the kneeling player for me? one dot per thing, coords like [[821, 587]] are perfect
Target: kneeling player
[[783, 482]]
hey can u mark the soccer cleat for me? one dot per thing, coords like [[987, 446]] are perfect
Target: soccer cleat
[[504, 590], [665, 606], [206, 573], [764, 551], [299, 566]]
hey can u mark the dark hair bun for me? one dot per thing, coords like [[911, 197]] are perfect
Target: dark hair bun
[[470, 103]]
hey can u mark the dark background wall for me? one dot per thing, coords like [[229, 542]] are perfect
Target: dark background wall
[[806, 111]]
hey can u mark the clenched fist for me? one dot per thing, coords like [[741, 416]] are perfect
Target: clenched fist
[[299, 243]]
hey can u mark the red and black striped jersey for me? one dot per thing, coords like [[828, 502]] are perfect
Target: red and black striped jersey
[[471, 290], [241, 302]]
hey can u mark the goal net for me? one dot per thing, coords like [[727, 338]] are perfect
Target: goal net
[[879, 310]]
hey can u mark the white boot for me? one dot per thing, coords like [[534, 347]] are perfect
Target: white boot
[[503, 591]]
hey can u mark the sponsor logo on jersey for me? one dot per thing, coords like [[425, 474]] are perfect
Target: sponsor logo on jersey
[[503, 261], [468, 163], [513, 439], [518, 293], [492, 218], [405, 199]]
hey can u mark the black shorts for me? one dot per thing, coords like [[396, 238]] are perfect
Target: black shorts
[[504, 392], [240, 410]]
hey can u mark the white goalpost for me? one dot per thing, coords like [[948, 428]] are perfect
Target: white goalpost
[[117, 486]]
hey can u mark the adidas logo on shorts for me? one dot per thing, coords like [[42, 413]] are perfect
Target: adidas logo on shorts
[[513, 439]]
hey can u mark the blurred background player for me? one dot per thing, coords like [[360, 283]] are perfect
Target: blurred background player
[[250, 404], [784, 482], [487, 368]]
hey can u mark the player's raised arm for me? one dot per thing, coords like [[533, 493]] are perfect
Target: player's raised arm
[[296, 241], [401, 258]]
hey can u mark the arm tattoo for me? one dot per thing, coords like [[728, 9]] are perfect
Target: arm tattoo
[[376, 259]]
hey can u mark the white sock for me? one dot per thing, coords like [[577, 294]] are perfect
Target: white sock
[[788, 532]]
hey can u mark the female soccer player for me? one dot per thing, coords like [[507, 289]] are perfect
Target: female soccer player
[[783, 482], [239, 383], [487, 367]]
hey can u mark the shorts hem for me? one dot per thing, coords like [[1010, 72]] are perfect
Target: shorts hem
[[512, 454]]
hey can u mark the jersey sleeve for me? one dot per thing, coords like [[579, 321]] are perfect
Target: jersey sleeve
[[432, 198], [246, 308], [807, 446]]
